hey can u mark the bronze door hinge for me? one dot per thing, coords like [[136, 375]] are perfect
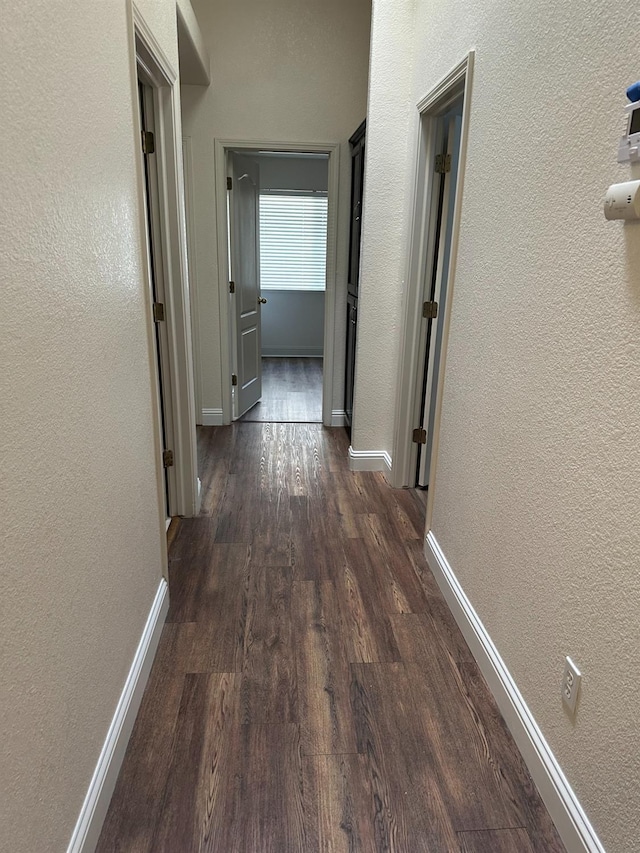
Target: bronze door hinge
[[430, 310], [419, 436], [148, 142], [443, 163], [167, 458]]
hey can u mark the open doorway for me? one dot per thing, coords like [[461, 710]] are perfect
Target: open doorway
[[277, 204], [292, 232], [280, 224]]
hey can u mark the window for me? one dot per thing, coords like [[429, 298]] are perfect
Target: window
[[293, 241]]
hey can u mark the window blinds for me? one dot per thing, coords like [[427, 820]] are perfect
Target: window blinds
[[293, 242]]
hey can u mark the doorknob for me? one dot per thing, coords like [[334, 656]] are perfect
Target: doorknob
[[262, 300]]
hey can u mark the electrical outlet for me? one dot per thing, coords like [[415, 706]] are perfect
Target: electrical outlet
[[570, 685]]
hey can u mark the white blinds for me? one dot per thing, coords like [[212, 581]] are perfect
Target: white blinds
[[293, 242]]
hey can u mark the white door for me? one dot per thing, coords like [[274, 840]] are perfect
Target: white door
[[436, 289], [155, 250], [245, 273]]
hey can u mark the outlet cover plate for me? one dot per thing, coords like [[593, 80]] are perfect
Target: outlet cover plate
[[570, 685]]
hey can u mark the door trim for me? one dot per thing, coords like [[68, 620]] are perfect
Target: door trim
[[332, 149], [149, 60], [187, 167], [458, 81]]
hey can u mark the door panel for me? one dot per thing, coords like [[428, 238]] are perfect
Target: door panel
[[438, 293], [455, 131], [245, 272], [352, 323], [155, 264], [249, 356], [357, 188]]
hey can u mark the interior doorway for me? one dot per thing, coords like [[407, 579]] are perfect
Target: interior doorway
[[292, 190], [440, 161], [447, 132], [157, 285], [162, 227], [279, 219]]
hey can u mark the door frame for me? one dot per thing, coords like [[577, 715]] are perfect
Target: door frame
[[332, 149], [457, 82], [188, 172], [150, 63]]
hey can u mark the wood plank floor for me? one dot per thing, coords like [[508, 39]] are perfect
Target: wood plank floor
[[291, 392], [312, 691]]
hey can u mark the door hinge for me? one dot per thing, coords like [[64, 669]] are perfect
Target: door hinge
[[234, 379], [430, 310], [158, 312], [232, 287], [229, 183], [167, 458], [148, 142], [443, 163], [419, 436]]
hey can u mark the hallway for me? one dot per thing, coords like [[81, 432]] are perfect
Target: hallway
[[311, 691]]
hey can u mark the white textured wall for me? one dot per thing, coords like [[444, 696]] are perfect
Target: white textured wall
[[81, 534], [194, 59], [382, 262], [293, 173], [293, 322], [538, 468], [283, 71]]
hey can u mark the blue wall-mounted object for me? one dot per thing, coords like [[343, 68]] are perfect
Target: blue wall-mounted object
[[633, 92]]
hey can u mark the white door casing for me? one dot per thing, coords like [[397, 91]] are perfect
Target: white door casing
[[150, 65], [228, 348], [245, 273]]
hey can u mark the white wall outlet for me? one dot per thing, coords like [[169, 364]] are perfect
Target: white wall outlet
[[570, 685]]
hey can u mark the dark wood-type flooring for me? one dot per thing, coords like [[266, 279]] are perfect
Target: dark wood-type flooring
[[291, 392], [312, 691]]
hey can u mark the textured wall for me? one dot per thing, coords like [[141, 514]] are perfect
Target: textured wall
[[194, 59], [81, 531], [293, 173], [539, 462], [293, 323], [284, 71], [382, 261]]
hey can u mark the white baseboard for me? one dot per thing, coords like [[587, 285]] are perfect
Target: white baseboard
[[198, 496], [212, 417], [292, 352], [369, 460], [94, 809], [337, 418], [566, 812]]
